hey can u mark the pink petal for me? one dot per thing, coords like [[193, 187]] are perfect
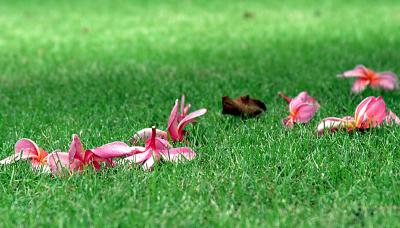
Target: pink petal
[[88, 157], [76, 150], [144, 134], [376, 112], [361, 108], [189, 118], [178, 154], [309, 99], [303, 96], [173, 122], [305, 113], [27, 147], [185, 111], [358, 71], [295, 104], [139, 157], [359, 85], [387, 80], [149, 163], [113, 150], [59, 162]]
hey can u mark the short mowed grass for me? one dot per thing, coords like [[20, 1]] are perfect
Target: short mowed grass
[[106, 69]]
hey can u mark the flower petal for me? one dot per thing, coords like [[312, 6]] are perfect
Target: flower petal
[[76, 150], [188, 119], [178, 154], [59, 162], [302, 109], [149, 163], [375, 113], [387, 80], [361, 108], [26, 145], [358, 71], [173, 122], [307, 98], [332, 124], [113, 150], [359, 85], [139, 157], [144, 134], [305, 113]]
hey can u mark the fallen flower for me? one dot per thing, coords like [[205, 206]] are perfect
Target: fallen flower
[[78, 158], [26, 149], [158, 148], [302, 108], [177, 121], [243, 106], [370, 113], [365, 76]]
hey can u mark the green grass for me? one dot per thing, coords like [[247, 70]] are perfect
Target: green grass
[[107, 69]]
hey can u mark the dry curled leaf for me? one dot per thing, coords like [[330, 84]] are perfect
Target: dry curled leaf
[[243, 106]]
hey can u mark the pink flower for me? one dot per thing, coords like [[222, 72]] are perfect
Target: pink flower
[[26, 149], [302, 109], [158, 148], [370, 113], [177, 121], [78, 158], [365, 76]]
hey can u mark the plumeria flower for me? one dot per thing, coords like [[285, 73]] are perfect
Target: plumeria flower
[[178, 120], [365, 76], [158, 148], [370, 113], [78, 158], [26, 149], [302, 109]]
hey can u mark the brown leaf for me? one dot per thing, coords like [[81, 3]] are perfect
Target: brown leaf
[[243, 106]]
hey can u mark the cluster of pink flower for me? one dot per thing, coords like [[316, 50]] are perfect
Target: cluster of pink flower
[[370, 113], [78, 159]]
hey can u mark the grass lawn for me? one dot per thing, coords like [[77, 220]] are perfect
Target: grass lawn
[[106, 69]]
